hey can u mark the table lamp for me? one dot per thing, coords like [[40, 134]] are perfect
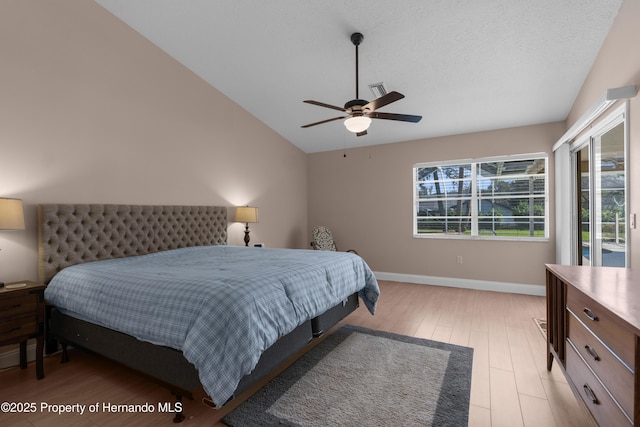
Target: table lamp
[[11, 216], [247, 215]]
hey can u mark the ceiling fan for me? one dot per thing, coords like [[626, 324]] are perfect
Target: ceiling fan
[[360, 112]]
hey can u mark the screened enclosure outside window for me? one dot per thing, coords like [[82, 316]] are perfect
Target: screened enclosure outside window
[[495, 198]]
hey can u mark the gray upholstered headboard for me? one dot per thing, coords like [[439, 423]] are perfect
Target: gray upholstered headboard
[[70, 234]]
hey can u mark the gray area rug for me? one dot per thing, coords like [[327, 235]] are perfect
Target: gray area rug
[[359, 376]]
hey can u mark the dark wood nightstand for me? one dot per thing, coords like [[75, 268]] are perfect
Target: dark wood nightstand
[[22, 317]]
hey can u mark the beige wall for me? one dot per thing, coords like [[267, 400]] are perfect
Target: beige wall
[[366, 199], [90, 111], [617, 65]]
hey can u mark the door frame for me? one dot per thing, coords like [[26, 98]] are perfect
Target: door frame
[[605, 124]]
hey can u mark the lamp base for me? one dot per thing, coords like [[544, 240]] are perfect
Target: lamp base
[[246, 234]]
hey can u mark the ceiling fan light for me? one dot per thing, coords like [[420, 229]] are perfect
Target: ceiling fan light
[[357, 124]]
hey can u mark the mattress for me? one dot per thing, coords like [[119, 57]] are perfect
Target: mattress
[[222, 306]]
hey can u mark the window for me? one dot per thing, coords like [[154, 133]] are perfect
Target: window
[[494, 198]]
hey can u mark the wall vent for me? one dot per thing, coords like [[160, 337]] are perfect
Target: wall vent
[[378, 89]]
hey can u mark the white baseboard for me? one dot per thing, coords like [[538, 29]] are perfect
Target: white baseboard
[[452, 282], [11, 357]]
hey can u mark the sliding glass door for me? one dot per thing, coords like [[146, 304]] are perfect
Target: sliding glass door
[[583, 209], [601, 196]]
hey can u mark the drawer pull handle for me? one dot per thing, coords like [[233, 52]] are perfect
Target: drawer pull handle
[[590, 394], [9, 307], [8, 331], [590, 314], [592, 352]]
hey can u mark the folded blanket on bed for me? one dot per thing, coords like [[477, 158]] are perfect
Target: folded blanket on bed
[[222, 306]]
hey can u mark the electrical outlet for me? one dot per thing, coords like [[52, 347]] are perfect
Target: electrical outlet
[[459, 259]]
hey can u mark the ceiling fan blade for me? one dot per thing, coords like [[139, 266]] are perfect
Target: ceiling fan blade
[[399, 117], [322, 104], [383, 100], [323, 121]]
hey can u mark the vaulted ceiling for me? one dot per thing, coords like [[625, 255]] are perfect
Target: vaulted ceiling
[[464, 65]]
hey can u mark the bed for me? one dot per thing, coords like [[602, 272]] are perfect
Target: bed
[[157, 289]]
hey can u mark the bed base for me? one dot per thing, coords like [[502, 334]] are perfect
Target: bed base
[[331, 317], [168, 366]]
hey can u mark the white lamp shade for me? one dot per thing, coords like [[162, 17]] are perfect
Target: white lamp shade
[[11, 214], [246, 214], [357, 124]]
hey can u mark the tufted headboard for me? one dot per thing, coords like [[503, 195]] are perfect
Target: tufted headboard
[[71, 234]]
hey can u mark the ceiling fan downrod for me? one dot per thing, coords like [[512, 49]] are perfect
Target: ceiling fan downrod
[[356, 39]]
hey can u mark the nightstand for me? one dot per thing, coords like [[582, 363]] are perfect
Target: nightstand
[[22, 317]]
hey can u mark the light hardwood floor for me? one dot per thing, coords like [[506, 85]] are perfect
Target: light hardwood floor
[[510, 385]]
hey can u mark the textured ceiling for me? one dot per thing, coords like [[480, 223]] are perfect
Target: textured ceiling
[[464, 65]]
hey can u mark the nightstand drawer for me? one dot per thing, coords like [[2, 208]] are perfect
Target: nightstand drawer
[[18, 327], [615, 376], [18, 305], [594, 395], [602, 323]]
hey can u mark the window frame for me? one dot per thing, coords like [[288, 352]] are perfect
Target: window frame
[[475, 198]]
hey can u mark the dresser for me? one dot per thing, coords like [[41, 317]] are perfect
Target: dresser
[[22, 316], [593, 329]]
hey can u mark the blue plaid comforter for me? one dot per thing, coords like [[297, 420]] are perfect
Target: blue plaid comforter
[[222, 306]]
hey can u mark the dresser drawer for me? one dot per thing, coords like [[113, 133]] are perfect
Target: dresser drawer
[[612, 373], [603, 324], [18, 327], [595, 396], [17, 305]]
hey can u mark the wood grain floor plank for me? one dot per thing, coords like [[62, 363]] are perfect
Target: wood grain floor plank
[[505, 402], [480, 379], [461, 330], [536, 412], [442, 333], [479, 417], [499, 351], [524, 369]]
